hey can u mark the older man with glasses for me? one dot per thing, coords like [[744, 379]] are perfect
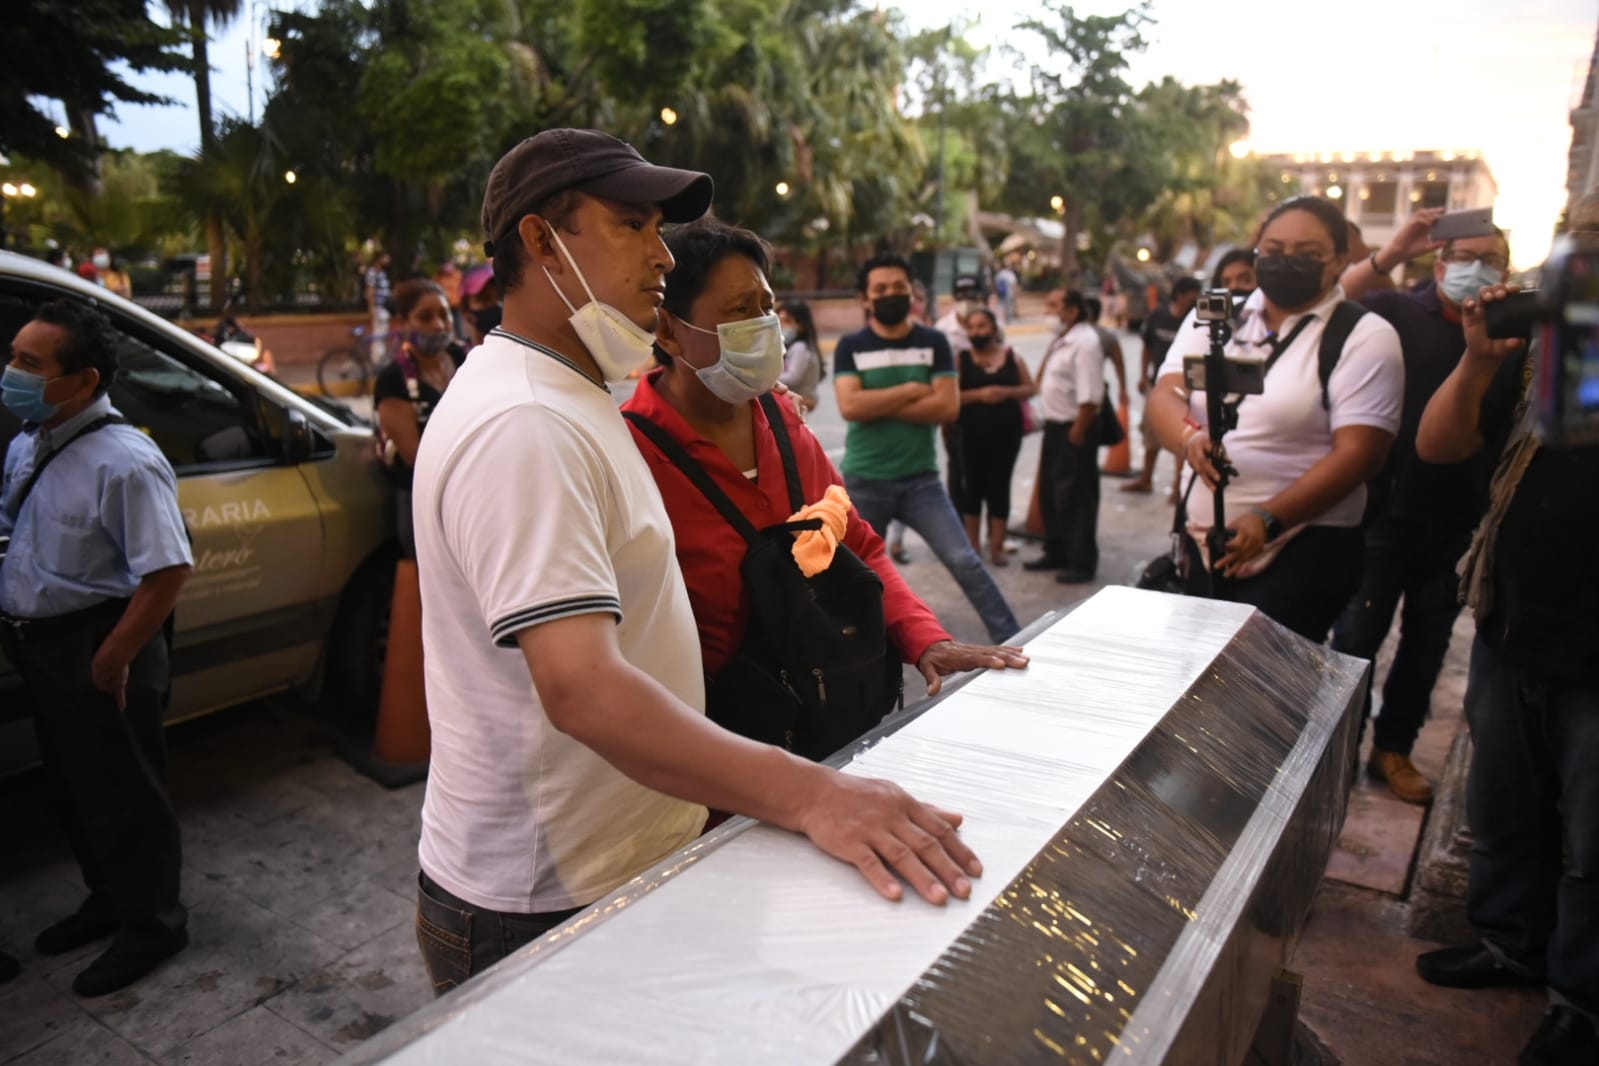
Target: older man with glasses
[[1420, 515]]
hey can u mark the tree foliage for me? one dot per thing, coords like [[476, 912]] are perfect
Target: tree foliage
[[74, 54]]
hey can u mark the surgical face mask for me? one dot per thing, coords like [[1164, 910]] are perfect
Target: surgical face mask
[[790, 335], [750, 362], [981, 341], [102, 260], [1289, 281], [429, 343], [892, 310], [619, 345], [23, 395], [1462, 281]]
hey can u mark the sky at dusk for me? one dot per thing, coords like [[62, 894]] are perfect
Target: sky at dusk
[[1360, 76]]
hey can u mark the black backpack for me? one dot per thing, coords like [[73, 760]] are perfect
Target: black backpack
[[815, 670]]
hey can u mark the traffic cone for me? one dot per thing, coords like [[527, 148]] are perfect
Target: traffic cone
[[402, 730], [1119, 457]]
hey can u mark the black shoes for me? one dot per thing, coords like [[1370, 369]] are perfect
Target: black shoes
[[1044, 562], [1470, 966], [121, 964], [1074, 577], [9, 967], [1565, 1037], [74, 931]]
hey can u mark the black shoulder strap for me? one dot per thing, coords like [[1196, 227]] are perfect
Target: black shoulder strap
[[1277, 349], [785, 448], [1340, 324], [38, 468], [695, 473]]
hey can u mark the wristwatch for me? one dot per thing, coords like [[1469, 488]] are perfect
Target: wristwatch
[[1274, 525]]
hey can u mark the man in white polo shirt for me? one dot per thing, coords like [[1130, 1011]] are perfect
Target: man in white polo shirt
[[1071, 383], [565, 692]]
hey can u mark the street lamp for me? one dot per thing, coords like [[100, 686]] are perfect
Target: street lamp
[[63, 132], [290, 177], [1143, 255], [1057, 204], [1239, 149], [668, 116], [1335, 192], [9, 191], [783, 188], [271, 47]]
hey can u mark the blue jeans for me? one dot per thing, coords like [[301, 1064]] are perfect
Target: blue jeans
[[1532, 795], [922, 504]]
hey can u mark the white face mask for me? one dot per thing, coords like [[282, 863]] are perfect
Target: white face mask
[[751, 359], [618, 345]]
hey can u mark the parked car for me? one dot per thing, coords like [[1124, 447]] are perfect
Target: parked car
[[290, 517]]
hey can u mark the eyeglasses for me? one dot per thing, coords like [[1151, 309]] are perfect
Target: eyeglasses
[[1492, 260]]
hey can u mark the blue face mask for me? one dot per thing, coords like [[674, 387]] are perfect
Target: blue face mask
[[1462, 281], [23, 395]]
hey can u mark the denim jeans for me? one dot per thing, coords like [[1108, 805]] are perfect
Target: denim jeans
[[922, 504], [1532, 799], [1403, 561], [460, 940]]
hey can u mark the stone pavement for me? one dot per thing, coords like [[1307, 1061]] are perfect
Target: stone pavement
[[300, 877]]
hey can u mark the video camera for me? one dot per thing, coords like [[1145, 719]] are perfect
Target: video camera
[[1217, 309], [1561, 318]]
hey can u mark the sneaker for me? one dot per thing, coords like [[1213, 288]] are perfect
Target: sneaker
[[1404, 780], [1565, 1037], [119, 966]]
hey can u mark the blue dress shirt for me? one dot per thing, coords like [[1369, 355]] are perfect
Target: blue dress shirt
[[102, 516]]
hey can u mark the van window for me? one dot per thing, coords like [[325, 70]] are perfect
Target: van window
[[195, 419]]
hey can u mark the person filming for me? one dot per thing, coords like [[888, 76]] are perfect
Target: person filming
[[1305, 447]]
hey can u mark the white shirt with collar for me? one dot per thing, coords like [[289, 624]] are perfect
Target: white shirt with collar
[[1073, 373], [1285, 431], [532, 504]]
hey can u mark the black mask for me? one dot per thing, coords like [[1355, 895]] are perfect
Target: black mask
[[981, 340], [892, 310], [1289, 281], [486, 318]]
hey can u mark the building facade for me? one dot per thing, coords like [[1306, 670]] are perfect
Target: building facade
[[1379, 190]]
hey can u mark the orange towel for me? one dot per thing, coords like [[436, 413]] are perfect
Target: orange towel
[[814, 548]]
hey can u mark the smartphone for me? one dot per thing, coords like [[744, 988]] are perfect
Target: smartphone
[[1246, 377], [1457, 225], [1513, 316]]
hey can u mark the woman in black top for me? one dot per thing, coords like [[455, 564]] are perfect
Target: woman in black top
[[994, 384], [410, 384]]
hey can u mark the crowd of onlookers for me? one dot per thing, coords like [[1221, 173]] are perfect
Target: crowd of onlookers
[[635, 621]]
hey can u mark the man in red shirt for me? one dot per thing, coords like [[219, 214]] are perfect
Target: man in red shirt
[[710, 340]]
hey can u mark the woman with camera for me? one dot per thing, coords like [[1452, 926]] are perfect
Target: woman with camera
[[1304, 447]]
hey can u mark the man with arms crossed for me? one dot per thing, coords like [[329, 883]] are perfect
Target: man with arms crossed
[[546, 556]]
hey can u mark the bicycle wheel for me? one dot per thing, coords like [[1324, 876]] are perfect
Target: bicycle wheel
[[343, 371]]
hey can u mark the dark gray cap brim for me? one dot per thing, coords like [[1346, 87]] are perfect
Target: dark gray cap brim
[[683, 195]]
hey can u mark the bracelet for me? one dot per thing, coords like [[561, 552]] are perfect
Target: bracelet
[[1375, 266]]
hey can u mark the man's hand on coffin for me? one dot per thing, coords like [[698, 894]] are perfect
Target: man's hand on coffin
[[946, 657], [881, 830]]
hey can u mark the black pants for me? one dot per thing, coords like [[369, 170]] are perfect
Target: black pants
[[1068, 496], [106, 769], [1303, 589], [460, 940], [988, 459], [1404, 560]]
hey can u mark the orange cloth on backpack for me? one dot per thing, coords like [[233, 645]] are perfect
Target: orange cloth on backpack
[[814, 548]]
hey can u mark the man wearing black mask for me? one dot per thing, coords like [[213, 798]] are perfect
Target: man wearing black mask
[[895, 380]]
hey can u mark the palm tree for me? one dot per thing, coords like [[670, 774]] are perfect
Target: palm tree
[[197, 16]]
